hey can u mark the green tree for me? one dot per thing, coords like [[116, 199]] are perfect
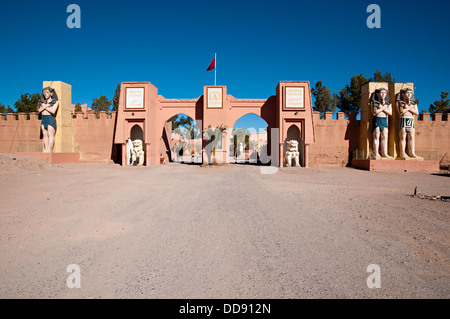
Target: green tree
[[186, 125], [379, 77], [241, 136], [335, 100], [213, 138], [78, 108], [175, 121], [442, 105], [350, 95], [6, 109], [27, 103], [325, 102], [101, 104], [116, 98]]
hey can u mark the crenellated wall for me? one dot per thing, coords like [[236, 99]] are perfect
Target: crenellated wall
[[93, 137], [338, 139], [20, 133], [433, 137], [335, 139]]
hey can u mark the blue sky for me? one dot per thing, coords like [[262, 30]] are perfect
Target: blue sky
[[258, 44]]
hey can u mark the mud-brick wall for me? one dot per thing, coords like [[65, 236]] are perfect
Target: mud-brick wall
[[93, 137], [433, 137], [20, 133], [336, 139]]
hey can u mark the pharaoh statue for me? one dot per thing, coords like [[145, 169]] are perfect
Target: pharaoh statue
[[381, 108], [407, 108], [138, 152], [292, 154], [47, 107]]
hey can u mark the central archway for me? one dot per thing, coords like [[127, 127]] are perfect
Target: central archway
[[182, 140], [249, 140], [141, 104]]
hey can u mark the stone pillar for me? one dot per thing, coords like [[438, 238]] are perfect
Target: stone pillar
[[305, 156], [124, 154], [148, 152], [64, 138], [225, 155]]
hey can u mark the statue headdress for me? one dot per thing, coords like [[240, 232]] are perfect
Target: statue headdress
[[399, 96], [374, 98], [54, 96]]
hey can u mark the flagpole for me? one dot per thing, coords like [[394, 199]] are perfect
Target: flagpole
[[215, 69]]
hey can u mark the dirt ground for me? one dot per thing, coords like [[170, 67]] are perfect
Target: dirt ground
[[184, 231]]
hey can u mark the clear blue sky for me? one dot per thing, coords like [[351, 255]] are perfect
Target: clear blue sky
[[258, 44]]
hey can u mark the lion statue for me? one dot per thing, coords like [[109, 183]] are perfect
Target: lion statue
[[292, 154], [138, 152]]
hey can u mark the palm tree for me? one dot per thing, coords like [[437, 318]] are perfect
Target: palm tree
[[213, 137], [241, 136]]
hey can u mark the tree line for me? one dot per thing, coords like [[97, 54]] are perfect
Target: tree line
[[28, 103], [348, 100]]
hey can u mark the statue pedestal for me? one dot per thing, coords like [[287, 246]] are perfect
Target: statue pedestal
[[410, 165], [55, 158]]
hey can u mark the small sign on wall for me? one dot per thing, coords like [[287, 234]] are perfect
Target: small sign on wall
[[135, 98], [295, 98], [215, 98]]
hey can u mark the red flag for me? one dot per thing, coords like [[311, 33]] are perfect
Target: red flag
[[212, 65]]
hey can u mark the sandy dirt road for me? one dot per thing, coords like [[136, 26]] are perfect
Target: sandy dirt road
[[184, 231]]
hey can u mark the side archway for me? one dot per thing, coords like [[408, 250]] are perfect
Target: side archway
[[136, 133], [294, 133], [249, 139]]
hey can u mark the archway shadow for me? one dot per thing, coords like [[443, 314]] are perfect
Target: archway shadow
[[166, 144], [182, 144], [441, 174], [352, 136]]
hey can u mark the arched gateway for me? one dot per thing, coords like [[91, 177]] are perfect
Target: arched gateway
[[141, 106]]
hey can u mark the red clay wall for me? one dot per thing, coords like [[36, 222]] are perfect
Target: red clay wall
[[433, 138], [93, 137], [20, 135], [335, 139]]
